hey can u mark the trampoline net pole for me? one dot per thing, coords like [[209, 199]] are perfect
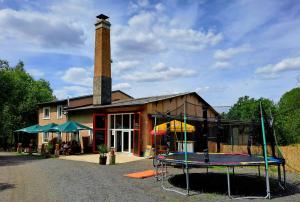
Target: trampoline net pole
[[185, 150], [265, 151], [205, 134]]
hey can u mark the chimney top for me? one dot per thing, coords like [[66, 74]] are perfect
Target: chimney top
[[102, 17]]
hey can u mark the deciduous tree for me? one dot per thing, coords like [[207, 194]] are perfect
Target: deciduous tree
[[19, 96]]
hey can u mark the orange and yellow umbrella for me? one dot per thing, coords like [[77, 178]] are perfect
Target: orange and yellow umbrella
[[175, 126]]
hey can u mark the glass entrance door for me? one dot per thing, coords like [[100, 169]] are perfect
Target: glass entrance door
[[121, 140], [118, 139], [126, 141]]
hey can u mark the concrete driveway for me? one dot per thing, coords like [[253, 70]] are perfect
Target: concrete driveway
[[94, 158], [24, 178]]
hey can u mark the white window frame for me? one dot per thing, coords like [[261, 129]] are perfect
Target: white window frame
[[43, 139], [44, 117], [58, 108], [114, 132]]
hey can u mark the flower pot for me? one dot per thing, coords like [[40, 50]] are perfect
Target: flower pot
[[102, 160]]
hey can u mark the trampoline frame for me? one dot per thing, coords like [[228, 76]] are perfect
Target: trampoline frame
[[162, 175]]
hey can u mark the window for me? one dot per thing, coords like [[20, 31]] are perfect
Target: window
[[120, 135], [126, 122], [118, 121], [45, 138], [46, 113], [100, 122], [59, 111], [58, 135]]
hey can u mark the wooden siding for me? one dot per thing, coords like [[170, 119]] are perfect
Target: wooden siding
[[169, 105]]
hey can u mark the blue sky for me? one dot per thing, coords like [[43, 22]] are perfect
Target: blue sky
[[221, 49]]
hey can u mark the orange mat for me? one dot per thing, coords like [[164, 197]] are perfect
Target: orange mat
[[141, 175]]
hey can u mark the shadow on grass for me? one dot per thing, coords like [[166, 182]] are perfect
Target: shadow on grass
[[12, 159], [241, 185], [4, 186]]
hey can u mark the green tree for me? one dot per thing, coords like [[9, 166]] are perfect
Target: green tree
[[247, 108], [19, 96], [288, 117]]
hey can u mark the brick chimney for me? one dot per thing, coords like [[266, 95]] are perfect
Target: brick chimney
[[102, 67]]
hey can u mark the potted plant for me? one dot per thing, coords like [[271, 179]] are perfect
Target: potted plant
[[103, 154]]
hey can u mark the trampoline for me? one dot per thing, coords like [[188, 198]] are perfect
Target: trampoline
[[217, 159], [206, 159], [228, 160]]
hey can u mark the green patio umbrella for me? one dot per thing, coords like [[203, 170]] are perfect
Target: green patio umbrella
[[49, 128], [30, 129], [71, 127]]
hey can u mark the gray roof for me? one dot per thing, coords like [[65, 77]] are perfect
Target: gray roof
[[78, 97], [129, 102], [138, 102]]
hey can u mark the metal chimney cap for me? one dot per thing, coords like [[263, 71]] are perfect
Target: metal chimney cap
[[102, 17]]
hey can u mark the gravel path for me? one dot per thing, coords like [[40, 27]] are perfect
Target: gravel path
[[24, 178]]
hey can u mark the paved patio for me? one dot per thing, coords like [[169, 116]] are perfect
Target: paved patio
[[94, 158]]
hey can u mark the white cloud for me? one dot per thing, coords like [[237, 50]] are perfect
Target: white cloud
[[79, 76], [159, 72], [230, 52], [39, 30], [123, 65], [221, 65], [120, 86], [288, 64], [71, 91], [210, 89], [143, 3], [36, 73], [189, 39], [160, 67], [160, 7], [129, 41], [223, 56], [150, 32], [202, 89]]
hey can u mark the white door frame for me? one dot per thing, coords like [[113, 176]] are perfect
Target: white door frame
[[129, 140], [114, 143]]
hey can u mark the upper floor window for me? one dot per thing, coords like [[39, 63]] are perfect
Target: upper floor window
[[59, 111], [46, 113]]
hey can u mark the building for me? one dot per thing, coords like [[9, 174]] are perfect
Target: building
[[117, 119]]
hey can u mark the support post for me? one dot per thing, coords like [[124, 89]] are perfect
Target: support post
[[228, 182], [219, 134], [265, 152], [155, 152], [185, 152], [205, 131]]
